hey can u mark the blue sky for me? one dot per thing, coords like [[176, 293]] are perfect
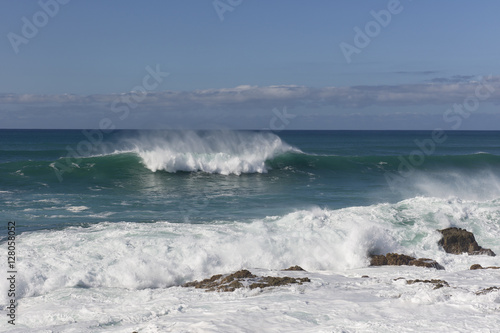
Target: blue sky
[[264, 59]]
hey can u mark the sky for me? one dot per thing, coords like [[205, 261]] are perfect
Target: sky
[[250, 64]]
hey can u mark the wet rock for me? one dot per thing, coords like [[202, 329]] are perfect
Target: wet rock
[[294, 268], [240, 279], [242, 274], [477, 266], [458, 241], [482, 251], [365, 276], [487, 290], [426, 262], [207, 283], [437, 283], [272, 281], [395, 259], [378, 260]]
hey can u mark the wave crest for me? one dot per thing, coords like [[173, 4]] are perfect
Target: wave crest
[[221, 152]]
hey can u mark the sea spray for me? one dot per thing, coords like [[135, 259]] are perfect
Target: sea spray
[[222, 152], [162, 254]]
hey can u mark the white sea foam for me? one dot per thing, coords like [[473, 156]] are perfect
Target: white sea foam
[[100, 278], [222, 152], [165, 254], [76, 209]]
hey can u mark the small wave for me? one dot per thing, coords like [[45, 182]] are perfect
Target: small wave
[[76, 209]]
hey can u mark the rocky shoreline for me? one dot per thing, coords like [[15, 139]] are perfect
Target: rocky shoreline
[[458, 241], [244, 278], [454, 241]]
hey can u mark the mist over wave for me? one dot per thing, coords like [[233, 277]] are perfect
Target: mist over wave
[[479, 185], [222, 152]]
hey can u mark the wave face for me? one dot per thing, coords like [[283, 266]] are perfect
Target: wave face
[[206, 176], [224, 153], [221, 152]]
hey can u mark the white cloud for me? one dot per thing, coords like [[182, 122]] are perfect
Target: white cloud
[[246, 97], [251, 106]]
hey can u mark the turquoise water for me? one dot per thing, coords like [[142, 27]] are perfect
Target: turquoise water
[[225, 176], [108, 226]]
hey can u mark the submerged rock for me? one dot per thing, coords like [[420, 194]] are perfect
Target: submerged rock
[[273, 281], [437, 283], [458, 241], [241, 279], [487, 290], [395, 259]]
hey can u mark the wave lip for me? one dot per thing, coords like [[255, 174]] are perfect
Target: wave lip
[[220, 152]]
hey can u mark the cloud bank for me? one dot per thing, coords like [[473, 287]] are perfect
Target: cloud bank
[[440, 91], [246, 101]]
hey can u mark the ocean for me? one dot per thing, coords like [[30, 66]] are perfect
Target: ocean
[[108, 226]]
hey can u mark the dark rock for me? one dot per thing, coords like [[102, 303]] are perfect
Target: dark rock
[[426, 262], [378, 260], [207, 283], [395, 259], [242, 274], [477, 266], [437, 283], [272, 281], [482, 251], [294, 268], [365, 276], [458, 241], [241, 278], [487, 290]]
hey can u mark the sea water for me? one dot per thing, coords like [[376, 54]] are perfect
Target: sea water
[[109, 226]]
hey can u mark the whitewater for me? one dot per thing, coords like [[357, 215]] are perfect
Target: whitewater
[[108, 248]]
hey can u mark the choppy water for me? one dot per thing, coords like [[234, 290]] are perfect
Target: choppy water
[[140, 210]]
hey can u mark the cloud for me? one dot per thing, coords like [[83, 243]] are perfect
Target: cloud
[[453, 79], [417, 72], [245, 97]]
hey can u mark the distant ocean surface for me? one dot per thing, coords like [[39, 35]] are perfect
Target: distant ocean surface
[[106, 220]]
